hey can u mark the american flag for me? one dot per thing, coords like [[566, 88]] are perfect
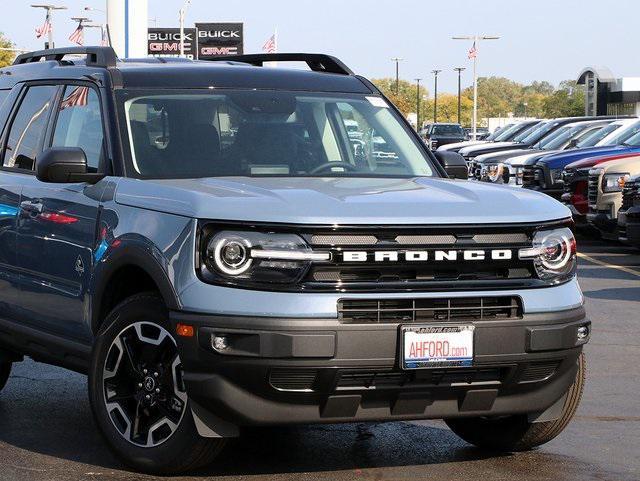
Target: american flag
[[44, 29], [473, 52], [271, 46], [79, 97], [78, 35]]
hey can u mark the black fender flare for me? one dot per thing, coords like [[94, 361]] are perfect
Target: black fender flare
[[129, 253]]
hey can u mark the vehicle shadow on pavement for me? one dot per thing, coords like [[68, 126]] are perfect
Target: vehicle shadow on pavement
[[342, 447]]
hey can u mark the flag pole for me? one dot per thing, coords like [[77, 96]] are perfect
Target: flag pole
[[476, 45], [475, 89]]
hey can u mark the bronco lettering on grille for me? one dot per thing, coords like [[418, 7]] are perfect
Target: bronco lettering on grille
[[423, 256]]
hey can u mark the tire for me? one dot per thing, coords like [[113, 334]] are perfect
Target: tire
[[516, 433], [136, 392], [5, 371]]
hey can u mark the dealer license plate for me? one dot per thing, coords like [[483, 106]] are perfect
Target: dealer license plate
[[437, 346]]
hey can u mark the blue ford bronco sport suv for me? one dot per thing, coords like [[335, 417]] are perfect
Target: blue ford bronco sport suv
[[215, 249]]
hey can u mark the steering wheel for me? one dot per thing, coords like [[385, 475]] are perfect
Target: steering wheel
[[328, 165]]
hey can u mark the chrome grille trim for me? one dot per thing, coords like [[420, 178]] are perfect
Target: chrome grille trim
[[515, 238], [594, 179]]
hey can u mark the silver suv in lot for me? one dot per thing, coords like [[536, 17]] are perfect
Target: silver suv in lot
[[217, 245]]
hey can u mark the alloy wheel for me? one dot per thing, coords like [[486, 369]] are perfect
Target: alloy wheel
[[142, 381]]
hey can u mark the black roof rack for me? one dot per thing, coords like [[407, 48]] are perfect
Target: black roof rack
[[316, 61], [96, 56]]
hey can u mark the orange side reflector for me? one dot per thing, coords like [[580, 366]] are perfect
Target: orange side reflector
[[184, 330]]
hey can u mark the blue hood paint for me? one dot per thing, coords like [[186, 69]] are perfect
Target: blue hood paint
[[328, 201], [562, 159]]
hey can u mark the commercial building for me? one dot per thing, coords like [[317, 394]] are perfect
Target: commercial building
[[607, 95]]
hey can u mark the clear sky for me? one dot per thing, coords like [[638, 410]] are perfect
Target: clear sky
[[541, 39]]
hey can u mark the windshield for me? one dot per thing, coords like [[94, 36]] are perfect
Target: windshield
[[540, 132], [563, 140], [594, 137], [522, 136], [634, 140], [503, 133], [448, 130], [626, 135], [553, 137], [194, 134]]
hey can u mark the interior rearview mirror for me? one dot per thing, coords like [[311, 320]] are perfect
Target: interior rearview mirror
[[64, 165], [453, 163]]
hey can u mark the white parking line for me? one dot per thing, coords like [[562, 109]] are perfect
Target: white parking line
[[610, 266]]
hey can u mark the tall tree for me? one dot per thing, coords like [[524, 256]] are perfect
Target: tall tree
[[406, 100], [6, 56]]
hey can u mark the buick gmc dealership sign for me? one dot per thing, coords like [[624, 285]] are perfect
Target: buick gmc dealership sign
[[215, 39], [207, 40], [166, 42]]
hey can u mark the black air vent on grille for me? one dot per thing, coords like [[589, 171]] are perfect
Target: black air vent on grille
[[362, 379], [293, 379], [419, 310], [629, 192], [539, 371], [593, 190]]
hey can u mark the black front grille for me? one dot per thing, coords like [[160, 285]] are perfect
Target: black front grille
[[528, 176], [594, 179], [539, 371], [363, 311], [364, 379], [293, 379], [567, 178], [631, 190]]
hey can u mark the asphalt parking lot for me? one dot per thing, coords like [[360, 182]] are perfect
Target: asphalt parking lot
[[47, 433]]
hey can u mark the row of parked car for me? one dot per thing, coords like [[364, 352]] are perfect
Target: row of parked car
[[592, 164]]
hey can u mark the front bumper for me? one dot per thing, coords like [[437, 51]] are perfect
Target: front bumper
[[629, 226], [603, 221], [298, 371]]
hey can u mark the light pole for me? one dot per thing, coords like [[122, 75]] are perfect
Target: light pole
[[459, 70], [183, 11], [50, 9], [418, 105], [101, 27], [473, 54], [397, 60], [435, 95]]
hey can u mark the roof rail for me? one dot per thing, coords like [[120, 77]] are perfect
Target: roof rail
[[316, 61], [96, 56]]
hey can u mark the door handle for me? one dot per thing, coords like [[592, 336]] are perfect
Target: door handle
[[32, 206]]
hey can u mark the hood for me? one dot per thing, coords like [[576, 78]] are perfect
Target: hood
[[476, 150], [562, 159], [329, 201], [460, 145], [530, 158], [592, 161], [501, 156], [629, 165]]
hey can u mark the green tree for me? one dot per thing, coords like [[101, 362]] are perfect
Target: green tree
[[406, 100], [448, 109], [567, 101], [6, 56]]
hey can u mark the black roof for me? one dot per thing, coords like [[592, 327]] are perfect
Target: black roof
[[328, 74]]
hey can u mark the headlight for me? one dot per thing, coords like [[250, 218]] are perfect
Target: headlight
[[556, 175], [553, 254], [238, 257], [494, 173], [614, 182]]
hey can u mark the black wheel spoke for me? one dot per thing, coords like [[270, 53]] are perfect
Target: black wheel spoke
[[142, 396]]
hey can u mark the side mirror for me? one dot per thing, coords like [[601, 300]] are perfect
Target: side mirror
[[572, 143], [64, 165], [453, 163]]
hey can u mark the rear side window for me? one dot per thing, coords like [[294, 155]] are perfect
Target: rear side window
[[28, 127], [79, 123]]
